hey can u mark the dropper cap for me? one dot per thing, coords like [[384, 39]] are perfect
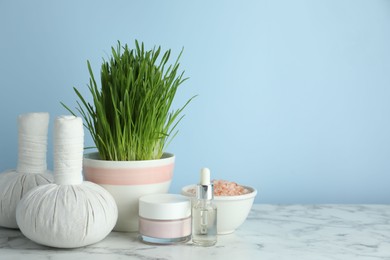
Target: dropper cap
[[205, 189]]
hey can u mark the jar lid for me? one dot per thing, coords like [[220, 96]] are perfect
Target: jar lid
[[164, 206]]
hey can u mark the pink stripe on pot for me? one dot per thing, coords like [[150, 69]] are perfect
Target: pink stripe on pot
[[150, 175]]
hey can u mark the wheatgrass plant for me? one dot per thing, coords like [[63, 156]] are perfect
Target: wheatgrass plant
[[131, 117]]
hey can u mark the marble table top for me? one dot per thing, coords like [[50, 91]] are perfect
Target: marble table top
[[270, 232]]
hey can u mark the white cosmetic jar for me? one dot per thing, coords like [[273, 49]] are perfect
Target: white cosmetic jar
[[164, 219]]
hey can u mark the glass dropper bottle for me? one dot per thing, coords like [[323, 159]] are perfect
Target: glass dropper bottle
[[204, 212]]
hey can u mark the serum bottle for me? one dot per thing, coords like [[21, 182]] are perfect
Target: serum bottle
[[204, 212]]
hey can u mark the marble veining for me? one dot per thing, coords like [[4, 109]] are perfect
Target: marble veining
[[270, 232]]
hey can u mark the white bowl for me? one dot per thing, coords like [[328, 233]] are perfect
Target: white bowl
[[232, 211]]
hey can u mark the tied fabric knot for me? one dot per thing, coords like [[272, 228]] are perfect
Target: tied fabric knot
[[32, 142], [68, 150]]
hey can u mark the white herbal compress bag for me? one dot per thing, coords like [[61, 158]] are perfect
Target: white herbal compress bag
[[69, 213], [31, 169]]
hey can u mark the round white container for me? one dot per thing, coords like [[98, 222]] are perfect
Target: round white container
[[164, 219]]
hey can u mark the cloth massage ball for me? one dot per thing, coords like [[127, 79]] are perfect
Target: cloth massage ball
[[70, 212], [31, 170]]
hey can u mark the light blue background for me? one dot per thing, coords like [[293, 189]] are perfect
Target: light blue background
[[293, 95]]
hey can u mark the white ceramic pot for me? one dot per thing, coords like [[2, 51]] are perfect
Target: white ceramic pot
[[129, 180]]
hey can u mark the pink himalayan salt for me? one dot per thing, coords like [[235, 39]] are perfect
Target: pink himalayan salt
[[226, 188]]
